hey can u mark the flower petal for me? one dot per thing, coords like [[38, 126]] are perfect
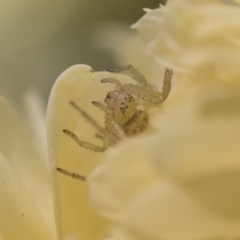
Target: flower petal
[[167, 211], [200, 36], [125, 172], [81, 85], [24, 156], [20, 216], [36, 115], [194, 128]]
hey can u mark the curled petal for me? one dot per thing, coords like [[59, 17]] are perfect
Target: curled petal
[[167, 211], [82, 86], [194, 36]]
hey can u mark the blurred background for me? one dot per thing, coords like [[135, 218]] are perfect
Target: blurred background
[[41, 39]]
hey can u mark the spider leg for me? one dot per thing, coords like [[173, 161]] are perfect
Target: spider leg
[[99, 136], [111, 125], [131, 71], [86, 144], [166, 83], [101, 106], [111, 80], [73, 175], [101, 130], [149, 95], [115, 128], [137, 124]]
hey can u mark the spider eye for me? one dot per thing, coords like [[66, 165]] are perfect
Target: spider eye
[[122, 109]]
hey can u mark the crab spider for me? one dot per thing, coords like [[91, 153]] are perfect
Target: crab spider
[[122, 117]]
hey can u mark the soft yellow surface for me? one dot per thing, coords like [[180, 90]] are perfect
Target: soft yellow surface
[[74, 212], [20, 217], [124, 174], [26, 202], [197, 146], [167, 211], [194, 36]]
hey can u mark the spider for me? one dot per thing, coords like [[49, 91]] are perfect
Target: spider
[[122, 117]]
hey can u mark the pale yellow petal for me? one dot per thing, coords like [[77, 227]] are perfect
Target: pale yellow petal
[[81, 85], [199, 132], [20, 216], [125, 172], [167, 211], [35, 111], [201, 36], [26, 159]]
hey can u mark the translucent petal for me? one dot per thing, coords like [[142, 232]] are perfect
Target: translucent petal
[[20, 216], [167, 211], [82, 86], [26, 159], [125, 172], [200, 132], [35, 110]]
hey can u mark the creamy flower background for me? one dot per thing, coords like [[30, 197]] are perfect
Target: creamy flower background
[[179, 180], [26, 201]]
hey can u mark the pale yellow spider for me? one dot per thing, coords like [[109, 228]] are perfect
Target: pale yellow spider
[[122, 117]]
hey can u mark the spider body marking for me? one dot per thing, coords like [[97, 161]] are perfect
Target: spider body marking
[[122, 109]]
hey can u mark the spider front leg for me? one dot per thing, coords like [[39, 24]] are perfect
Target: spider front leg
[[111, 125], [73, 175], [87, 145], [131, 71], [167, 83], [101, 130], [108, 138]]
